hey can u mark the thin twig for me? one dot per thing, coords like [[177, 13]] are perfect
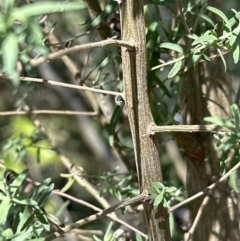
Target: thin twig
[[183, 17], [197, 218], [199, 194], [47, 112], [99, 210], [152, 129], [120, 43], [99, 215], [56, 83]]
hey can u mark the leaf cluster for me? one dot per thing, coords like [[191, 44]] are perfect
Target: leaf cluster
[[22, 216], [161, 194], [21, 33]]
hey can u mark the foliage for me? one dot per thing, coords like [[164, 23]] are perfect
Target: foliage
[[24, 211], [161, 194], [20, 26]]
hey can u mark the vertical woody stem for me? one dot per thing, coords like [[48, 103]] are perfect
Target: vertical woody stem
[[139, 113]]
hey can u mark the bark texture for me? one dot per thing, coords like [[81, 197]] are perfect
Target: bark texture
[[139, 113]]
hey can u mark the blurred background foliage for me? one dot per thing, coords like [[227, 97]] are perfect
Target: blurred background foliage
[[85, 139]]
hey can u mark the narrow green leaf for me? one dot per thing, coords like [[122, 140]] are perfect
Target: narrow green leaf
[[4, 209], [10, 56], [236, 115], [16, 185], [158, 200], [151, 190], [162, 87], [175, 69], [171, 189], [45, 195], [234, 181], [233, 37], [171, 223], [105, 13], [193, 60], [172, 46], [23, 217], [221, 15], [158, 186], [43, 219], [218, 121], [113, 122], [223, 59], [204, 40], [27, 202], [39, 8], [236, 53]]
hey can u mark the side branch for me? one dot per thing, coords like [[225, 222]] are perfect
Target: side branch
[[141, 197], [152, 129], [127, 44], [56, 83], [47, 112]]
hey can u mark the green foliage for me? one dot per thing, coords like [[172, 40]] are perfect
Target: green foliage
[[117, 187], [161, 194], [19, 26], [22, 216], [228, 142]]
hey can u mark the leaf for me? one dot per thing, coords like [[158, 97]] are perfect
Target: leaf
[[113, 123], [218, 121], [10, 56], [223, 59], [236, 53], [45, 195], [236, 115], [158, 186], [233, 37], [234, 181], [26, 202], [23, 217], [175, 69], [171, 189], [40, 8], [204, 40], [4, 209], [105, 13], [172, 46], [158, 200], [193, 60], [221, 15], [162, 87], [15, 186]]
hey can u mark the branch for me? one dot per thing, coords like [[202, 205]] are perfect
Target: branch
[[120, 43], [152, 129], [183, 17], [206, 190], [47, 112], [99, 210], [98, 215], [56, 83]]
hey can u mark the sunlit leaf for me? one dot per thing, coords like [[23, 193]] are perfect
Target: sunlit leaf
[[172, 46], [4, 209], [221, 15], [223, 59], [158, 200], [234, 181], [218, 121], [175, 69], [236, 53], [10, 56], [204, 40], [39, 8]]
